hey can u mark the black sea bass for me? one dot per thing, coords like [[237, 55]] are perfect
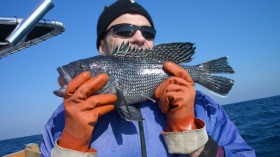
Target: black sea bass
[[136, 73]]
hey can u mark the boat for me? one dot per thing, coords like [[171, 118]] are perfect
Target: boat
[[31, 150]]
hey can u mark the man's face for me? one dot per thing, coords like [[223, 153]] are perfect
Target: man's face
[[111, 40]]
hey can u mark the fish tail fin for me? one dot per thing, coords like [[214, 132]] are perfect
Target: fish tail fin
[[217, 84], [219, 65]]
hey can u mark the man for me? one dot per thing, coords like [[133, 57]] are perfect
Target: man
[[184, 123]]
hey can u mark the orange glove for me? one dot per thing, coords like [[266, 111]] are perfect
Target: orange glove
[[176, 99], [82, 110]]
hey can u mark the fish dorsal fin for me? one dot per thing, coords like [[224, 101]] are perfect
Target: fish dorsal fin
[[177, 52], [125, 50]]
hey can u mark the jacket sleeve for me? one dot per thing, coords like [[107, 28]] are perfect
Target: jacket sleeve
[[52, 131], [50, 135], [221, 128]]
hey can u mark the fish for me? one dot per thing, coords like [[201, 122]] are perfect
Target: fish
[[135, 73]]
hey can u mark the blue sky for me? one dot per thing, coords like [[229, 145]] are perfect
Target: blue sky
[[246, 31]]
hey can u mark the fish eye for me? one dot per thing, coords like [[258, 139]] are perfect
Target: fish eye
[[83, 67]]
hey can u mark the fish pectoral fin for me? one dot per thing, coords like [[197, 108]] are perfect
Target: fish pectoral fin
[[60, 92], [151, 99], [129, 113]]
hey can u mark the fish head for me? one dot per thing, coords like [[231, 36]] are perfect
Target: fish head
[[68, 72], [94, 65]]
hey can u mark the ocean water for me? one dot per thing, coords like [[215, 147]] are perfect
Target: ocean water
[[17, 144], [258, 122]]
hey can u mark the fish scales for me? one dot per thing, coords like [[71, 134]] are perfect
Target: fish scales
[[134, 79]]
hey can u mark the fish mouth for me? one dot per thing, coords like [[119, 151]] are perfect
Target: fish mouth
[[64, 74]]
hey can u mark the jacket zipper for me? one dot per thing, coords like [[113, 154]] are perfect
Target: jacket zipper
[[142, 136]]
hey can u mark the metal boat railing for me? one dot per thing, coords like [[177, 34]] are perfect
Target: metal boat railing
[[29, 31]]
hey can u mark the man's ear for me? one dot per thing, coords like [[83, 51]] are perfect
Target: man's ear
[[101, 47]]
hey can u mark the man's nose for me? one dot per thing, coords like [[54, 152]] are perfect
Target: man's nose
[[137, 39]]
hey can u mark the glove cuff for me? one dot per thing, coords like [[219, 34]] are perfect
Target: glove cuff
[[68, 141], [59, 151], [188, 141]]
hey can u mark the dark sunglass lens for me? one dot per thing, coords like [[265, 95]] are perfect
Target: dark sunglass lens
[[148, 32], [128, 30], [124, 30]]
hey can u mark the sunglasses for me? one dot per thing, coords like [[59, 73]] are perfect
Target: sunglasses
[[128, 30]]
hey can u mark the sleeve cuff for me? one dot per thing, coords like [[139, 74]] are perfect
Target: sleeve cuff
[[186, 142], [58, 151]]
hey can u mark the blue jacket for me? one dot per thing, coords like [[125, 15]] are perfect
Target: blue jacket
[[114, 136]]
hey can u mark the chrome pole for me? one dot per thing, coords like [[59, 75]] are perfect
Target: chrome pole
[[22, 30]]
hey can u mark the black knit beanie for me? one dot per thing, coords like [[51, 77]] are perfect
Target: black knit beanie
[[115, 10]]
